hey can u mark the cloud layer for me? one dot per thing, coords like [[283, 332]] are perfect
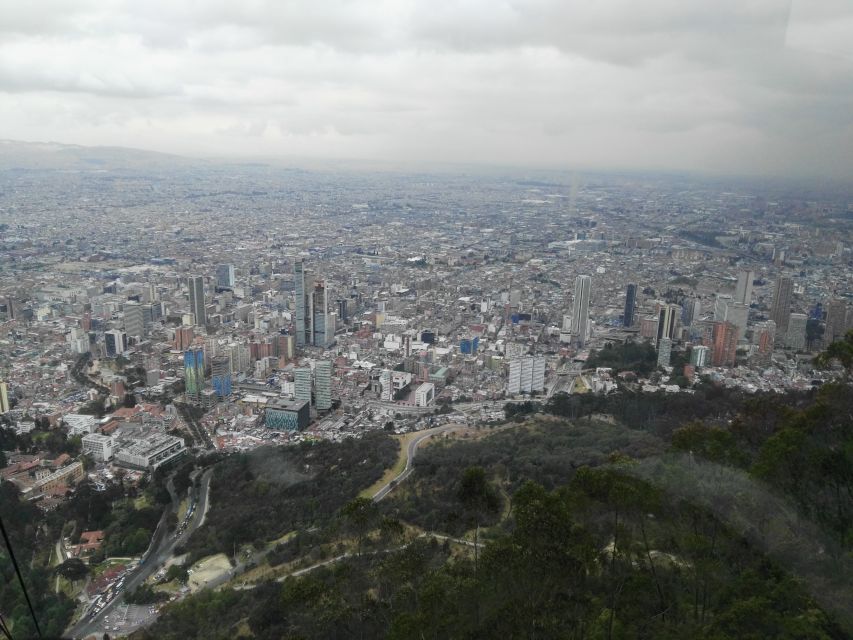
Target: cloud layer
[[762, 86]]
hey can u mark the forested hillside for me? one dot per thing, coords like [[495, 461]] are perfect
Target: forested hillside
[[737, 526]]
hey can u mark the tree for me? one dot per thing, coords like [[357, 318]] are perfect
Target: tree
[[73, 569], [129, 400], [361, 514], [177, 572]]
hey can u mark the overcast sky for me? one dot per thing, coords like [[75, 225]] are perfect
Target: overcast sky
[[760, 86]]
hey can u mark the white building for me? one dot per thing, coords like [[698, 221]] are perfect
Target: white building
[[99, 446], [526, 375], [323, 385], [79, 424], [302, 384], [425, 394], [150, 452]]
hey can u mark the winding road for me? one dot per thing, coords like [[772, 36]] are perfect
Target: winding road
[[162, 547], [411, 452]]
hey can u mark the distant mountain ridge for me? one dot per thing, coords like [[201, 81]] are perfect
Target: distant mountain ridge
[[53, 156]]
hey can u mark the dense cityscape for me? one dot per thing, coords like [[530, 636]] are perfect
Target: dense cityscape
[[172, 311]]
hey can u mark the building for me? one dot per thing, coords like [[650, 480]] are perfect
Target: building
[[724, 347], [425, 395], [780, 311], [764, 336], [220, 375], [225, 276], [183, 338], [287, 416], [691, 312], [386, 392], [100, 447], [664, 352], [836, 321], [302, 384], [726, 309], [4, 398], [134, 320], [526, 375], [669, 316], [323, 385], [795, 336], [649, 327], [630, 303], [79, 424], [699, 356], [115, 342], [743, 289], [194, 373], [150, 452], [322, 320], [62, 477], [580, 309], [302, 305], [197, 308]]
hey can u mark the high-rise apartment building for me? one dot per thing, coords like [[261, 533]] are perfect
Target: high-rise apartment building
[[764, 336], [323, 385], [183, 338], [302, 384], [225, 276], [724, 347], [780, 311], [580, 309], [743, 289], [630, 303], [197, 308], [691, 312], [194, 373], [526, 374]]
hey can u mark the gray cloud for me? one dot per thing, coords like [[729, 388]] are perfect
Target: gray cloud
[[731, 85]]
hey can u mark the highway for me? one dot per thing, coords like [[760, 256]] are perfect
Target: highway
[[162, 546]]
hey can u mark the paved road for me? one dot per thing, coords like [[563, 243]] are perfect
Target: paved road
[[159, 551], [411, 453]]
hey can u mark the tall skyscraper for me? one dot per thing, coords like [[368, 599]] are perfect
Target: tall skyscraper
[[630, 303], [4, 398], [322, 322], [323, 385], [303, 304], [743, 290], [699, 356], [836, 319], [725, 344], [691, 312], [220, 375], [225, 276], [302, 384], [194, 373], [780, 311], [580, 309], [668, 317], [134, 319], [795, 336], [196, 287]]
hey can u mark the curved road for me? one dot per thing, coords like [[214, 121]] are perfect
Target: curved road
[[162, 547], [410, 453]]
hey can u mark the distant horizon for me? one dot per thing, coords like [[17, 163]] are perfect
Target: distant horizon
[[379, 165]]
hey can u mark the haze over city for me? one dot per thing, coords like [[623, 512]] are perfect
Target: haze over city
[[761, 87]]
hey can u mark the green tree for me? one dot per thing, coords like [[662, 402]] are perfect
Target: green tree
[[361, 515]]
